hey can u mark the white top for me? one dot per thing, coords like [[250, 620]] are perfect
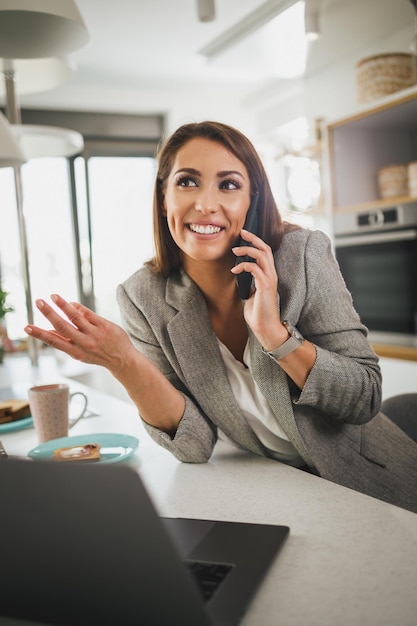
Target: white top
[[256, 409]]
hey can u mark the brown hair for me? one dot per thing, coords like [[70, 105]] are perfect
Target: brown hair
[[167, 254]]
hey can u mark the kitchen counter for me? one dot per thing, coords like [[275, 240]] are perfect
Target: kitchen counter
[[350, 559], [394, 345]]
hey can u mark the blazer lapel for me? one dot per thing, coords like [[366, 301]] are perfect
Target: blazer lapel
[[273, 383], [197, 352]]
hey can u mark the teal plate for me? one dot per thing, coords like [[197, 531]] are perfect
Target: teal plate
[[114, 447], [8, 427]]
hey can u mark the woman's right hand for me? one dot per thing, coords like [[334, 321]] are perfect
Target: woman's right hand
[[82, 334], [261, 309]]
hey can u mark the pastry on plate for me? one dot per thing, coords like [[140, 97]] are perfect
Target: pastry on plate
[[85, 452], [13, 410]]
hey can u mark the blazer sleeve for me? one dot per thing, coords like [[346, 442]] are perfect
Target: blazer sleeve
[[345, 381], [196, 435]]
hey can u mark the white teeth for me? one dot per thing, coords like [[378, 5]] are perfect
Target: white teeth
[[204, 230]]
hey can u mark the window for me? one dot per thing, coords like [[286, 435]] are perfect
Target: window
[[120, 201], [88, 219], [10, 257]]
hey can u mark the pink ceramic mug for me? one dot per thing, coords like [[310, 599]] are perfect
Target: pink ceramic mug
[[49, 405]]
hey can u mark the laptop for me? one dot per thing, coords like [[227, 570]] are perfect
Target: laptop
[[82, 544]]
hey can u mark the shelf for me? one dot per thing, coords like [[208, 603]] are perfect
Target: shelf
[[360, 145], [380, 203], [369, 112]]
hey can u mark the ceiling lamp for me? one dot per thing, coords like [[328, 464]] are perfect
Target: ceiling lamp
[[37, 75], [31, 29], [206, 10], [312, 19], [35, 29], [37, 141], [11, 154], [47, 141], [33, 34]]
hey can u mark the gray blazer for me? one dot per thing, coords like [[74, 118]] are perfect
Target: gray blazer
[[333, 422]]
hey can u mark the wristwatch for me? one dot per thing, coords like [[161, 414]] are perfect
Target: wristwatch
[[294, 341]]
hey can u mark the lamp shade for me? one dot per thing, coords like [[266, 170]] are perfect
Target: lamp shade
[[11, 153], [32, 29], [47, 141], [36, 75]]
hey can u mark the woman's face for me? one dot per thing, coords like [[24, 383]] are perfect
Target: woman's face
[[206, 199]]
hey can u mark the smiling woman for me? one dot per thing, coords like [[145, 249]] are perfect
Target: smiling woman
[[242, 163], [287, 373], [206, 203]]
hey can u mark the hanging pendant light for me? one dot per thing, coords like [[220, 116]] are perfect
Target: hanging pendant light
[[206, 10], [35, 140], [47, 141], [32, 29], [36, 75]]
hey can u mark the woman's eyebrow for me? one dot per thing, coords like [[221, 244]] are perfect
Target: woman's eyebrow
[[188, 170], [221, 174], [230, 173]]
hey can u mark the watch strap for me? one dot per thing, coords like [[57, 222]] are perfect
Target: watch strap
[[294, 341]]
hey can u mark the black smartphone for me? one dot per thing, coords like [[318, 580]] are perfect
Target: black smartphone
[[244, 279]]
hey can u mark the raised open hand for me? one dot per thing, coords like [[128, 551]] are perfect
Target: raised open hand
[[82, 334]]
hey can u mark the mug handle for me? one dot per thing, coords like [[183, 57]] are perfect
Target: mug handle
[[77, 419]]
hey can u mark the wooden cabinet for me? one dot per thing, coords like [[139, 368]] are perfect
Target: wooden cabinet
[[378, 136]]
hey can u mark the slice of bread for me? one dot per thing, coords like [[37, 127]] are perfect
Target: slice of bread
[[85, 452], [12, 410]]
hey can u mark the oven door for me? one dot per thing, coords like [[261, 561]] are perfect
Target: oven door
[[380, 271]]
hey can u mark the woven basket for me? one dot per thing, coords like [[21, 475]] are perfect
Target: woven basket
[[393, 181], [383, 74]]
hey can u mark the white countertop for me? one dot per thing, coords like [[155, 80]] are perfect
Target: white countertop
[[350, 560]]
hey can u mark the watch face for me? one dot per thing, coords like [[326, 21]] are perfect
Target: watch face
[[294, 341], [297, 334], [294, 332]]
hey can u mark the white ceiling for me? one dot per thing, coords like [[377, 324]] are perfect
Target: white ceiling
[[143, 55]]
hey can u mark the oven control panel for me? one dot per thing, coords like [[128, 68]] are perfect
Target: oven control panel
[[390, 218]]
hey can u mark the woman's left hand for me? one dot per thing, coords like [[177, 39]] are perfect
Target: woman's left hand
[[261, 309], [82, 334]]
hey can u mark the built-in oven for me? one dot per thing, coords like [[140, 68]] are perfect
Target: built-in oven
[[377, 254]]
